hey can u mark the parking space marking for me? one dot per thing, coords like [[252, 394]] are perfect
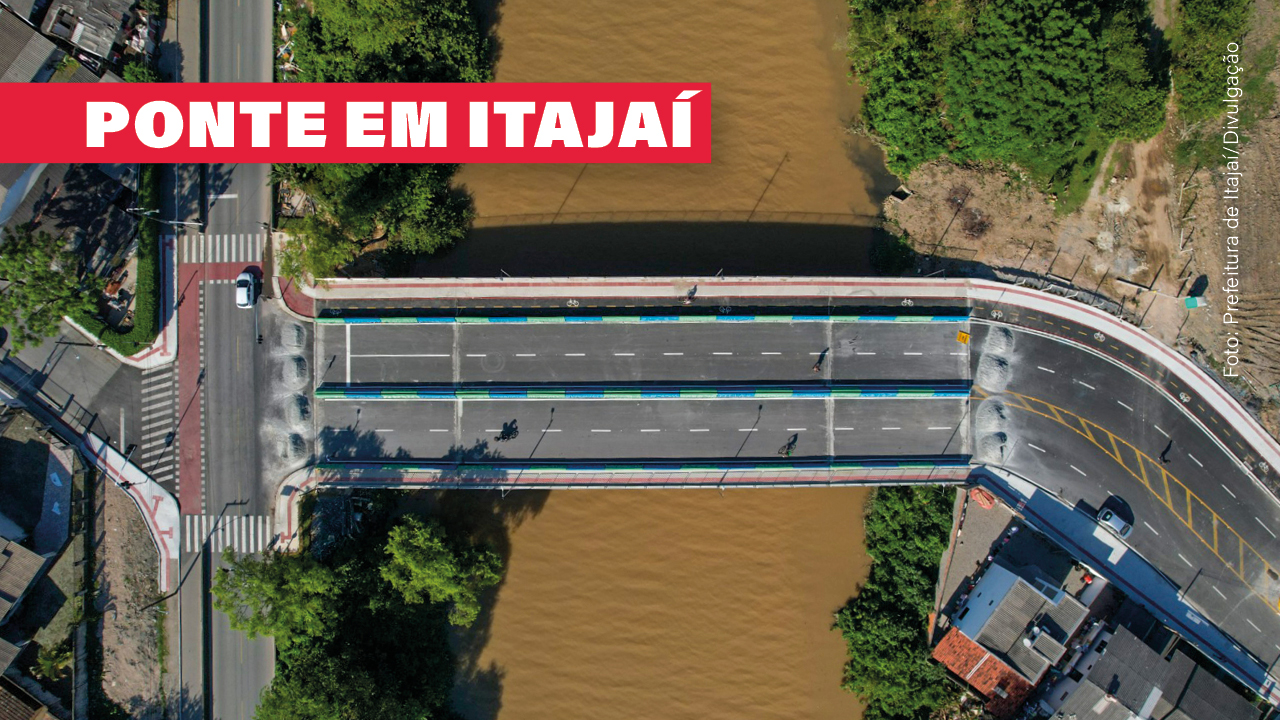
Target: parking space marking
[[890, 428], [650, 430], [673, 354]]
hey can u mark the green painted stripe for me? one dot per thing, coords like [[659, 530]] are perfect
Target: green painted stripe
[[622, 318], [546, 320], [330, 320], [400, 320]]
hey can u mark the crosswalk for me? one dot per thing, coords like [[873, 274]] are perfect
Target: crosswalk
[[236, 247], [157, 454], [242, 533]]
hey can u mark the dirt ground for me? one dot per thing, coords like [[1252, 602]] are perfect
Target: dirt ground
[[126, 582], [1147, 237]]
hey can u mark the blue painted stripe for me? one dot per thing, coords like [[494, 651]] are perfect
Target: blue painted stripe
[[508, 320], [585, 319]]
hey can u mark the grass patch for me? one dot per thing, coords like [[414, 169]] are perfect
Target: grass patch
[[147, 283], [1072, 183]]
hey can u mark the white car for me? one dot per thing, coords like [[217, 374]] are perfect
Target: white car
[[245, 290]]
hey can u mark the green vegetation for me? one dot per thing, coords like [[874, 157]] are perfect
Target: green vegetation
[[45, 281], [886, 626], [891, 256], [1200, 38], [363, 633], [412, 205], [1045, 85], [148, 282], [141, 72]]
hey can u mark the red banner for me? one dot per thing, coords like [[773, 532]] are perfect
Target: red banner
[[357, 123]]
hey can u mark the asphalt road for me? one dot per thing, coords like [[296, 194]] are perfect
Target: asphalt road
[[375, 353], [1197, 517], [558, 429]]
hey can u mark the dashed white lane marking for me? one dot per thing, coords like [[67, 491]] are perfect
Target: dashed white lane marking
[[1255, 627], [475, 354], [526, 354], [1087, 385], [575, 354], [547, 430], [1035, 447], [1188, 562], [671, 354], [865, 353], [1126, 407], [1264, 527], [770, 353], [1046, 369], [959, 353], [721, 353], [796, 429], [940, 427], [1224, 487], [699, 430], [438, 430], [1193, 459], [815, 353], [383, 430], [1215, 589], [401, 355], [600, 430], [1157, 427], [890, 428], [746, 429], [844, 428], [1073, 467], [1144, 522], [494, 430], [650, 430], [912, 353], [624, 354]]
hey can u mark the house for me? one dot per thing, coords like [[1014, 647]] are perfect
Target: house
[[1122, 677], [28, 10], [25, 55], [19, 570], [94, 26], [1011, 629], [17, 704]]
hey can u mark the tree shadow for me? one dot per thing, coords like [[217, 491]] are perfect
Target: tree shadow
[[349, 443]]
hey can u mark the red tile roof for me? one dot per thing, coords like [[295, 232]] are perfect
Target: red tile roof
[[1004, 689]]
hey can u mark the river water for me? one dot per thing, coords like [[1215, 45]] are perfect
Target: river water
[[670, 604], [789, 190]]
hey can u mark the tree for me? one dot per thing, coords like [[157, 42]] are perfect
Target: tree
[[317, 249], [52, 662], [138, 71], [42, 282], [424, 565], [281, 595]]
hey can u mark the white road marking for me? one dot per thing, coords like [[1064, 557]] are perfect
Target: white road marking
[[1046, 369], [1264, 527], [1035, 447], [383, 430], [1193, 458], [912, 353], [865, 353], [1157, 427], [348, 353], [434, 355], [624, 354], [796, 429], [815, 353], [1188, 562], [1073, 467], [1144, 522], [1224, 487], [671, 354], [547, 430], [438, 430], [1215, 589], [223, 196], [526, 354], [575, 354], [1255, 627], [699, 430], [721, 353], [746, 429], [1126, 407], [960, 353], [494, 430], [844, 428], [940, 427], [650, 430], [599, 430], [1087, 385], [770, 353], [890, 428], [475, 354]]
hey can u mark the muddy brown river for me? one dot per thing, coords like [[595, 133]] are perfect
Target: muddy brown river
[[789, 190], [671, 604]]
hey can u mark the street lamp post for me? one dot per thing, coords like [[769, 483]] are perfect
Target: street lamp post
[[150, 214]]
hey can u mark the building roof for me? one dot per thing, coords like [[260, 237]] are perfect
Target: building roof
[[93, 25], [1004, 689], [1139, 681], [8, 653], [19, 568], [17, 704], [25, 55]]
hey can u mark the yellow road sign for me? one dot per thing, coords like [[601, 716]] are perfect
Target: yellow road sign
[[962, 337]]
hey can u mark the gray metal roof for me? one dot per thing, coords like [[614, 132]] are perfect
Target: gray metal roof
[[94, 25], [1128, 669], [19, 567], [1089, 702], [25, 55], [22, 8], [1007, 633], [8, 653], [1207, 698]]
